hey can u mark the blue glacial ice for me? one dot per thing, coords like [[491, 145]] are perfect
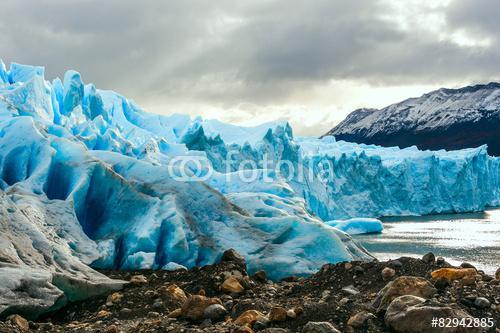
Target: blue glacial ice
[[92, 168], [356, 226]]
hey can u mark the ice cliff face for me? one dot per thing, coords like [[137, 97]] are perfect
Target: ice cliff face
[[369, 180], [89, 179], [339, 179], [445, 118]]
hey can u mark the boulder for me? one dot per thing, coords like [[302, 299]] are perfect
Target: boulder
[[403, 285], [291, 313], [319, 327], [277, 313], [412, 314], [215, 312], [174, 292], [466, 265], [249, 317], [452, 274], [388, 273], [138, 279], [260, 325], [350, 290], [360, 319], [429, 258], [482, 303], [246, 282], [114, 298], [125, 312], [111, 329], [440, 261], [103, 314], [358, 270], [153, 314], [194, 308], [441, 283], [19, 322], [232, 285], [175, 313], [260, 276], [467, 281], [232, 256]]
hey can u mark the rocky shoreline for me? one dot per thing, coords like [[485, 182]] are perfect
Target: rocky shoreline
[[402, 295]]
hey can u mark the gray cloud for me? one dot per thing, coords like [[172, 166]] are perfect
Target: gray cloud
[[263, 52], [479, 16]]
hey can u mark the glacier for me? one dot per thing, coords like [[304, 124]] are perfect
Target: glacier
[[90, 180]]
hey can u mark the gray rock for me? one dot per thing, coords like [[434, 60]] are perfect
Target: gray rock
[[260, 276], [228, 305], [467, 265], [46, 326], [412, 314], [403, 285], [125, 311], [358, 270], [429, 258], [153, 314], [486, 278], [441, 283], [440, 261], [482, 303], [396, 264], [215, 312], [206, 323], [260, 325], [360, 319], [19, 322], [350, 290], [232, 256], [388, 273], [158, 305], [319, 327]]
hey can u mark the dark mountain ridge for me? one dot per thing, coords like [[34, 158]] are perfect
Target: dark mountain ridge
[[442, 119]]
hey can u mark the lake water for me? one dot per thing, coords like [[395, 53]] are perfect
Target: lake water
[[473, 238]]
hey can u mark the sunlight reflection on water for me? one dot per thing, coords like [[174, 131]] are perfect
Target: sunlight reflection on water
[[473, 238]]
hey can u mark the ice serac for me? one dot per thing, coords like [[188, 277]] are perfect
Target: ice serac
[[88, 179], [4, 76]]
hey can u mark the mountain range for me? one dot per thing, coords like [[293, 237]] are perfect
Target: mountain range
[[442, 119]]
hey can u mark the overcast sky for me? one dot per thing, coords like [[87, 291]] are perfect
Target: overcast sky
[[311, 62]]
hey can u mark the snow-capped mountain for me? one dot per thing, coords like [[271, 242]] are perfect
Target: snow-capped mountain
[[87, 180], [442, 119]]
